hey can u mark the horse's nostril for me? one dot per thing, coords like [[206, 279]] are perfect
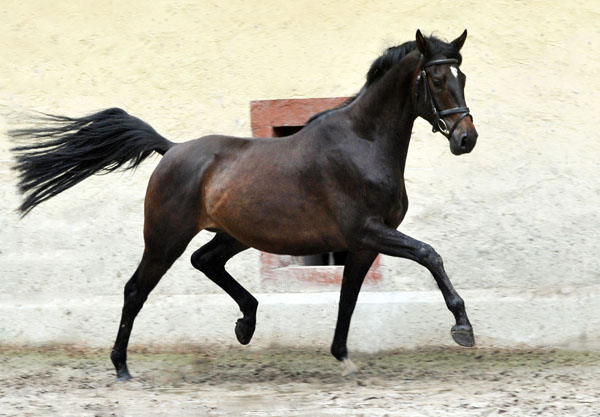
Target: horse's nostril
[[463, 141]]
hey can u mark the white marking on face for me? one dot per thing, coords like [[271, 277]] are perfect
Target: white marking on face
[[454, 71]]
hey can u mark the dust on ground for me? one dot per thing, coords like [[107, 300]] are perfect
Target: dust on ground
[[283, 382]]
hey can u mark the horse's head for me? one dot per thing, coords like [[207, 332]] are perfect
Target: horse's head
[[440, 93]]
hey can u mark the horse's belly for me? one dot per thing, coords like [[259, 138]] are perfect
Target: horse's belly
[[283, 224], [293, 235]]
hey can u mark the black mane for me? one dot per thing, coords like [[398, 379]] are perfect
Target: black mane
[[391, 57]]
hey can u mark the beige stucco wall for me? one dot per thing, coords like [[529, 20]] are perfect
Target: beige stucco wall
[[520, 212]]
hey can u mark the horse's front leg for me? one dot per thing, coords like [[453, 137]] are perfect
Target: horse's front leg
[[386, 240], [356, 267]]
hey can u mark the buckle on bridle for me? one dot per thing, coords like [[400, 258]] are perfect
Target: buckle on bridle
[[441, 126]]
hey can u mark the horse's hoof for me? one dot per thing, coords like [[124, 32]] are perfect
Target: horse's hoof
[[348, 367], [123, 376], [244, 330], [463, 335]]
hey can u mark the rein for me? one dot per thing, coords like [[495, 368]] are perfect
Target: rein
[[439, 125]]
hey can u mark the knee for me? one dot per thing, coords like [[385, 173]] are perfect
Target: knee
[[196, 262], [204, 262], [199, 261], [428, 256]]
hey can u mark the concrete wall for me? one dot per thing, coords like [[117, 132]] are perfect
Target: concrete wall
[[517, 220]]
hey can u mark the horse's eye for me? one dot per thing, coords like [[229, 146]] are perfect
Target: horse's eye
[[437, 82]]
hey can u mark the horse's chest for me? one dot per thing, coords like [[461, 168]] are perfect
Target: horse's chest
[[394, 212], [386, 197]]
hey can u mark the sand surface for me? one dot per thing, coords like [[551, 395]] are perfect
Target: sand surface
[[283, 382]]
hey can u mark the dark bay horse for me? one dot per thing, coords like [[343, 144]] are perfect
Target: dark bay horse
[[336, 185]]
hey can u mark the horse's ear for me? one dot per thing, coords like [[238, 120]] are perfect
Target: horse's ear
[[421, 43], [460, 41]]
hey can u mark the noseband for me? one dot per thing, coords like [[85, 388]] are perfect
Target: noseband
[[439, 125]]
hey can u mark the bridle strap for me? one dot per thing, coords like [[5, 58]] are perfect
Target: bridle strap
[[439, 125], [440, 62], [454, 110]]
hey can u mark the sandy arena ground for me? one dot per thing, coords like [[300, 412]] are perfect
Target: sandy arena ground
[[281, 382]]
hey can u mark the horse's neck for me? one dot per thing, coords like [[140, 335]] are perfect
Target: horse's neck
[[384, 114]]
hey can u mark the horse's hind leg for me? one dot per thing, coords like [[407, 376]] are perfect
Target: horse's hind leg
[[211, 259], [159, 255]]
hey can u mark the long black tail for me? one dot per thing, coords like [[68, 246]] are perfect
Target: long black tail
[[65, 151]]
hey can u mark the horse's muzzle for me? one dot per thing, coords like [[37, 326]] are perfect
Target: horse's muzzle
[[463, 141]]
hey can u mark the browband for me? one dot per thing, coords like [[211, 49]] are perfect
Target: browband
[[441, 61]]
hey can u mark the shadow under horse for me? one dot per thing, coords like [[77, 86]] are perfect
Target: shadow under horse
[[336, 185]]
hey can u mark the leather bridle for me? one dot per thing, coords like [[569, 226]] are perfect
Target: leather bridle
[[439, 125]]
